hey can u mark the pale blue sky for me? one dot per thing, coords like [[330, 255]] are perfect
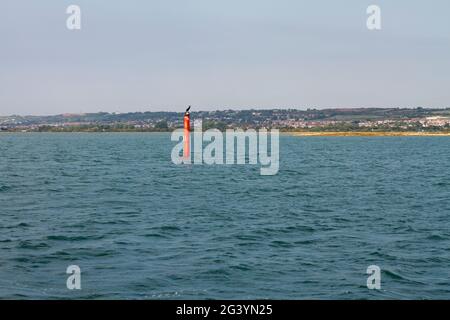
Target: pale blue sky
[[162, 55]]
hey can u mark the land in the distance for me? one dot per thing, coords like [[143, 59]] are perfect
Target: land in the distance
[[343, 121], [370, 133]]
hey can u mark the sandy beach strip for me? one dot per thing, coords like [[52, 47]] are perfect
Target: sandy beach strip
[[367, 134]]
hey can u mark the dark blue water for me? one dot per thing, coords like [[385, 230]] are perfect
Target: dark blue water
[[141, 227]]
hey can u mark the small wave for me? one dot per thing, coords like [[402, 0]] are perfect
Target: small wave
[[436, 236], [5, 188], [241, 267], [281, 244], [104, 253], [244, 237], [21, 259], [154, 235], [289, 229], [396, 276], [32, 245], [18, 225], [302, 242], [170, 228], [382, 254], [393, 275], [23, 224], [74, 238]]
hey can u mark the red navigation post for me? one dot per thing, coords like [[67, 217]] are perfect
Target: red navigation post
[[187, 134]]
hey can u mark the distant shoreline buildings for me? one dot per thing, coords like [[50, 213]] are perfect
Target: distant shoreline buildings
[[343, 119]]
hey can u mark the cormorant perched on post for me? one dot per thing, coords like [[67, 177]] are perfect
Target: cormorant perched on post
[[187, 110]]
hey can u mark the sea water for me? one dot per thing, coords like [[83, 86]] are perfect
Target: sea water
[[140, 227]]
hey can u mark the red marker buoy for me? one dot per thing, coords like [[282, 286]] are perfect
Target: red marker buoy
[[187, 135]]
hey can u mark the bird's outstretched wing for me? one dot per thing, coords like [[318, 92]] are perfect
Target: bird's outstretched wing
[[188, 108]]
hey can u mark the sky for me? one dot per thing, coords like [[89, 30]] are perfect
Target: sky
[[147, 55]]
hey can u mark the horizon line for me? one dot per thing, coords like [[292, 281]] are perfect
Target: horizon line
[[226, 109]]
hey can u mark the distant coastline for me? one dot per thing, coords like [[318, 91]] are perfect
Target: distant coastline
[[285, 133], [306, 122], [369, 134]]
